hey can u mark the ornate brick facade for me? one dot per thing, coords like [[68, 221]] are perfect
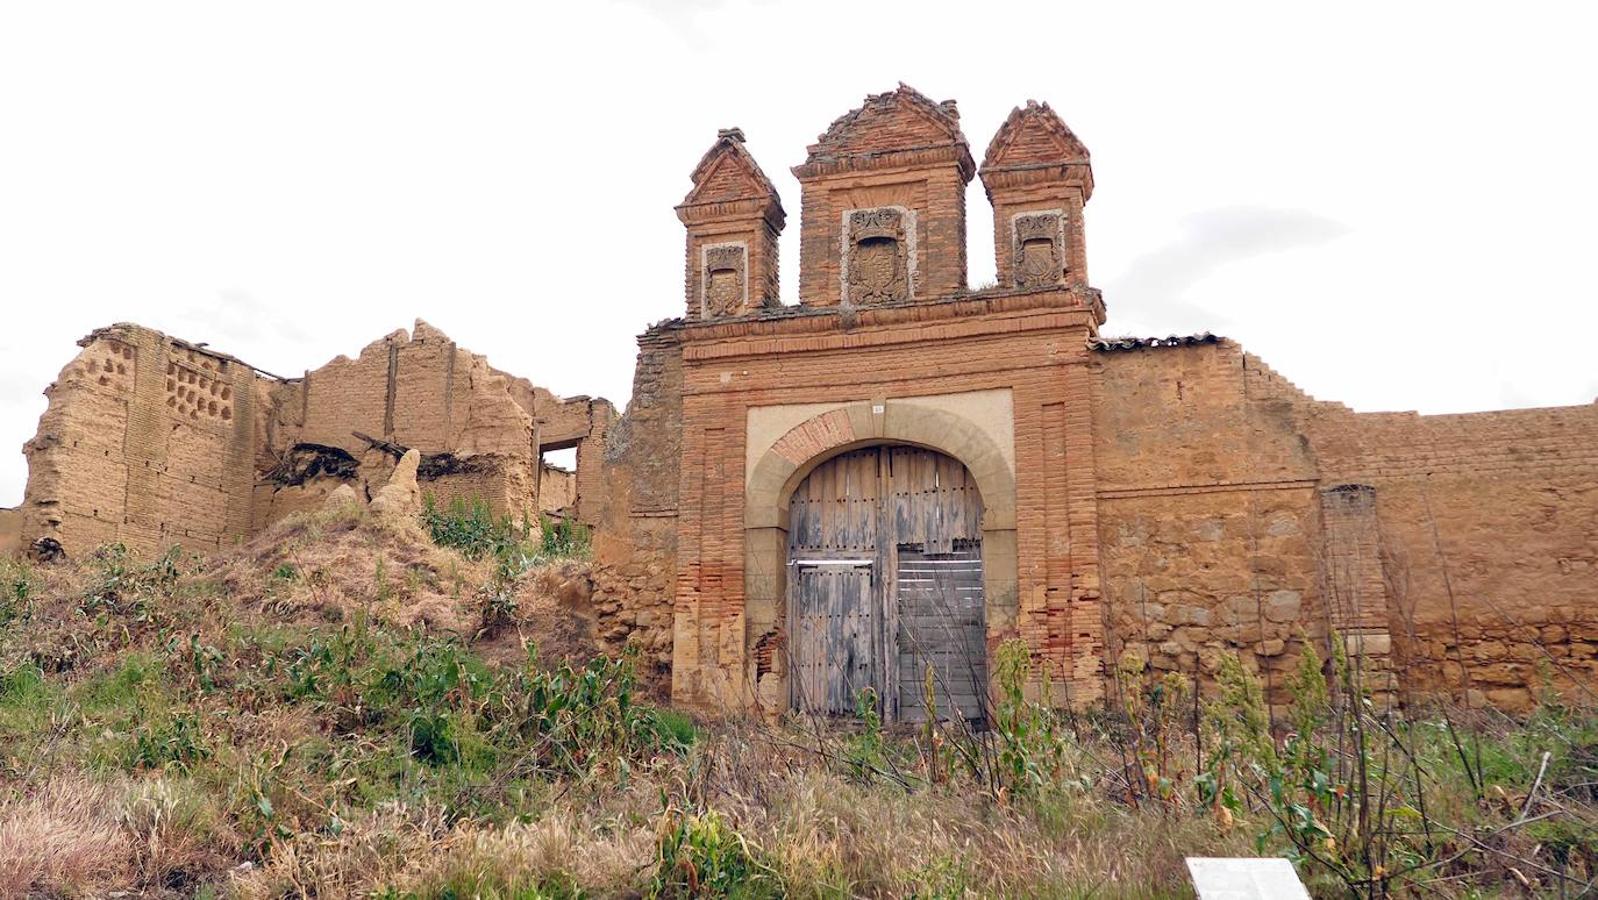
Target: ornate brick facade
[[1170, 500], [1166, 500]]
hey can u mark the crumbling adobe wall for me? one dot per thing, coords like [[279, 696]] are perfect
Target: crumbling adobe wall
[[10, 531], [557, 489], [146, 440], [1490, 518], [1208, 519], [153, 441], [417, 390], [1237, 512], [635, 543], [565, 423]]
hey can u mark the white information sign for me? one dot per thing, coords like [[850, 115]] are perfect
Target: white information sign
[[1218, 878]]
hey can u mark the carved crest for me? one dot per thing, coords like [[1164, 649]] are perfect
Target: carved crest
[[724, 280], [1039, 256], [878, 256]]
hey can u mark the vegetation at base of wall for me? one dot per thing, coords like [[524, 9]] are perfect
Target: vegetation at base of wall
[[160, 735], [472, 528]]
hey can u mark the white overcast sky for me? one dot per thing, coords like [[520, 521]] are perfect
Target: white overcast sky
[[1392, 203]]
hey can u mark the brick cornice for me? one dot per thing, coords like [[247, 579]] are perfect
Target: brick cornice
[[904, 158], [834, 328], [1003, 178], [739, 210], [787, 321]]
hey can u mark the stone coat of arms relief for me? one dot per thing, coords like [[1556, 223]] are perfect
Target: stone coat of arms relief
[[724, 269], [1039, 250], [878, 261]]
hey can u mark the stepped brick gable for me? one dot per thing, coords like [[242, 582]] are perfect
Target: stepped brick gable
[[879, 486]]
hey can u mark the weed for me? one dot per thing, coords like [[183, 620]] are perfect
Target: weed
[[474, 530], [18, 585], [176, 741], [865, 751], [703, 856]]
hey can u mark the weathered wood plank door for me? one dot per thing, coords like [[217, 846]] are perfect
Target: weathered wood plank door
[[860, 525], [838, 625], [942, 633]]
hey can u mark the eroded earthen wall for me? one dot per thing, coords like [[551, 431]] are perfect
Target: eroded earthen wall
[[1237, 513], [417, 390], [10, 531], [557, 489], [147, 441], [153, 442]]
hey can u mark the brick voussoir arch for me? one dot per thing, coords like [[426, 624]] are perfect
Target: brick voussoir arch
[[779, 470]]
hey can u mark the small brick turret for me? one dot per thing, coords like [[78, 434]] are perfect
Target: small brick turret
[[884, 204], [1038, 178], [733, 216]]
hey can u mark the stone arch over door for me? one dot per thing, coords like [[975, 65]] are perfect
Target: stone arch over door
[[777, 471]]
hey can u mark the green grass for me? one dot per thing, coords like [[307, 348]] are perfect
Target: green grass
[[363, 758]]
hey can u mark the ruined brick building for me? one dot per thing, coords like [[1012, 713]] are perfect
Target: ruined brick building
[[885, 482], [153, 441]]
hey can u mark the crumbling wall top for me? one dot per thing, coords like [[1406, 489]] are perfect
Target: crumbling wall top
[[892, 128]]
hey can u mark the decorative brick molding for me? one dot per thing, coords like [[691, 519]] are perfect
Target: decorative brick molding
[[1035, 167], [898, 151]]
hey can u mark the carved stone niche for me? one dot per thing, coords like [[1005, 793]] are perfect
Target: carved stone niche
[[725, 280], [878, 259], [1039, 248]]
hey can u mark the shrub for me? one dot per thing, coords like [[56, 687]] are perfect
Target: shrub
[[1031, 737]]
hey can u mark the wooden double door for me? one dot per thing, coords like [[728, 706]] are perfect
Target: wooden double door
[[885, 586]]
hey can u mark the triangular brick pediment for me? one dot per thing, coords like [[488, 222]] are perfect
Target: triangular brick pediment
[[901, 119], [1033, 135], [728, 172]]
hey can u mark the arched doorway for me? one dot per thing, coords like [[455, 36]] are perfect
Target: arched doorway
[[885, 587]]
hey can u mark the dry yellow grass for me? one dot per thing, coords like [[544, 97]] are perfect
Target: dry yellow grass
[[65, 838]]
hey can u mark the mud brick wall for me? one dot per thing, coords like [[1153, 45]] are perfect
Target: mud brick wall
[[419, 390], [1208, 513], [10, 531], [635, 543], [1382, 527], [557, 489], [415, 390], [1491, 518], [153, 441], [562, 423], [147, 441]]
